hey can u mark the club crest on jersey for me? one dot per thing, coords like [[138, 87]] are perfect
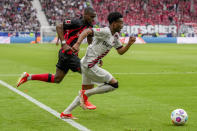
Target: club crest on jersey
[[98, 29], [68, 21]]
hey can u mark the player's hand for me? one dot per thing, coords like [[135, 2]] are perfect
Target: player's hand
[[100, 63], [75, 48], [131, 40], [57, 43], [66, 47]]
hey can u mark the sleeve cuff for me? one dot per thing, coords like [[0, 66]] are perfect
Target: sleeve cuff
[[119, 47]]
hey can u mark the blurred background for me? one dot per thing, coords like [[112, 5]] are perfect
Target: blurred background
[[34, 21]]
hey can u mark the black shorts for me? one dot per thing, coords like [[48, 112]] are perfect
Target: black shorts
[[68, 61]]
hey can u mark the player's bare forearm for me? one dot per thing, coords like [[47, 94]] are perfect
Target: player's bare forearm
[[66, 47], [60, 31], [82, 36], [124, 49]]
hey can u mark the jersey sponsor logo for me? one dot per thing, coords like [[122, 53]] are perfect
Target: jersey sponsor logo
[[68, 21], [106, 44]]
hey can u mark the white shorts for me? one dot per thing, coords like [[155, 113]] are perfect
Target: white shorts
[[95, 75]]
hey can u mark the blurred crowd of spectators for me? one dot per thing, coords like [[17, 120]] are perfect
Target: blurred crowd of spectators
[[18, 15], [58, 10], [144, 12]]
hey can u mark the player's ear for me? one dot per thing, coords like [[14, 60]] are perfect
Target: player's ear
[[112, 24]]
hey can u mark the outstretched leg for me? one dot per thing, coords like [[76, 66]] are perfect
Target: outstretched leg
[[67, 112], [51, 78], [83, 96]]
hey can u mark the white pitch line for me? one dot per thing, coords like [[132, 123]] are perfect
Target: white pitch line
[[47, 108], [154, 73]]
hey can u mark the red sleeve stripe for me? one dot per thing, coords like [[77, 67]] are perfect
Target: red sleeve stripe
[[97, 59]]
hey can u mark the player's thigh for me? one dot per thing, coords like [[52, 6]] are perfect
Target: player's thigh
[[62, 64], [99, 75]]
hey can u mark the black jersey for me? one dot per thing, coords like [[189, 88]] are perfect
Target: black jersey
[[72, 30]]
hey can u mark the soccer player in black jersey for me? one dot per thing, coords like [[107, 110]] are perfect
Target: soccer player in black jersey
[[68, 32]]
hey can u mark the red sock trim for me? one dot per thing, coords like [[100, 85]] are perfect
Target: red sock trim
[[82, 87], [84, 96], [43, 77], [52, 78]]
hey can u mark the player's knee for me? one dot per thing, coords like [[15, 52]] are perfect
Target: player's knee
[[115, 85], [57, 80]]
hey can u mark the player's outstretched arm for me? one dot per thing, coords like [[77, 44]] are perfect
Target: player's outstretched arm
[[124, 49], [82, 36]]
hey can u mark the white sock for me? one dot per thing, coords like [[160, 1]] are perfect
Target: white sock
[[72, 106], [99, 90]]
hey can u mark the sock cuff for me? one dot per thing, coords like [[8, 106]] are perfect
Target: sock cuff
[[51, 77], [82, 86]]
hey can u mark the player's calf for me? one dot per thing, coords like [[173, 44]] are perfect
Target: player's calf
[[41, 77]]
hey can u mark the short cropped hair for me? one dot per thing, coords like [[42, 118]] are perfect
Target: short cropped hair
[[88, 10], [114, 16]]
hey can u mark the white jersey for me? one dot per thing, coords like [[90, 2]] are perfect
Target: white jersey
[[101, 45]]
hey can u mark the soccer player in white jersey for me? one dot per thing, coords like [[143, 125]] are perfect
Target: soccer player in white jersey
[[104, 40]]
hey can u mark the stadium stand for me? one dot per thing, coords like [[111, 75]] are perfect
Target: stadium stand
[[144, 12], [58, 10], [18, 15], [22, 16]]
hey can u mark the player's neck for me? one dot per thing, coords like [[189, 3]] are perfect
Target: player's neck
[[112, 31], [85, 22]]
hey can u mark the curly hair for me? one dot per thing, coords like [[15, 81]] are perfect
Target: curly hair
[[114, 16]]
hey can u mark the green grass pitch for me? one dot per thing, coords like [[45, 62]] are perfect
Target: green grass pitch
[[154, 79]]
